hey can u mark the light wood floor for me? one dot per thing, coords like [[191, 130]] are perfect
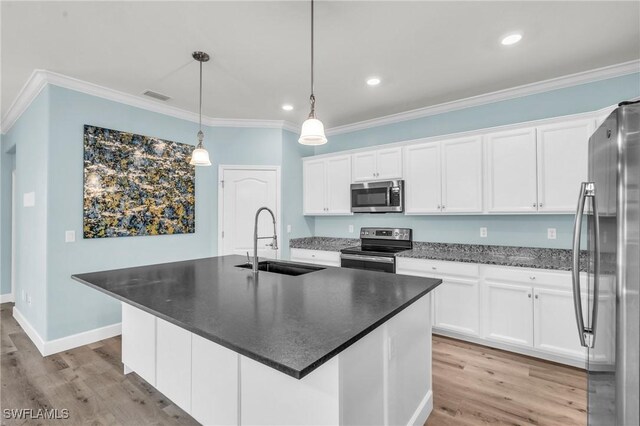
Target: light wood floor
[[472, 385]]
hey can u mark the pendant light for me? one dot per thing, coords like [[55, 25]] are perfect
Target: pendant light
[[312, 129], [200, 156]]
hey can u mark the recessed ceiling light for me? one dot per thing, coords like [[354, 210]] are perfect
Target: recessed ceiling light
[[373, 81], [510, 39], [287, 107]]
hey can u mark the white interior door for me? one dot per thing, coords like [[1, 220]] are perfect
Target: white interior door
[[243, 192]]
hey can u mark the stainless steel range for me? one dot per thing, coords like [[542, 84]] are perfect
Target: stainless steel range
[[378, 249]]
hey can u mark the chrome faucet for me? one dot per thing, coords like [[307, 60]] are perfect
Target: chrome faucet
[[274, 243]]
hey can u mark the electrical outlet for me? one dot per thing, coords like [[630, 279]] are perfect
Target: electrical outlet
[[288, 229], [69, 236], [351, 229], [483, 232], [29, 199], [551, 233]]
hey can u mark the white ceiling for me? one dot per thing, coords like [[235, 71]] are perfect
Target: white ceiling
[[425, 52]]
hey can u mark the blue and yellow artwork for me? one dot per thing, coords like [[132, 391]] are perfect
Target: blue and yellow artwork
[[136, 185]]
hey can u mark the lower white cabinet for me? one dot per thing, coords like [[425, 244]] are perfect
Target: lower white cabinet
[[139, 342], [173, 368], [318, 257], [508, 313], [555, 324], [214, 383], [523, 310], [457, 306]]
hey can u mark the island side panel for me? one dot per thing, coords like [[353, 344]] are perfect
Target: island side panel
[[269, 397], [385, 378]]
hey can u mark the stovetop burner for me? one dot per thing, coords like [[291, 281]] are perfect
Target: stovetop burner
[[382, 242]]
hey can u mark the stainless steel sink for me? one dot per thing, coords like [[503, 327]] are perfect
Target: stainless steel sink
[[282, 268]]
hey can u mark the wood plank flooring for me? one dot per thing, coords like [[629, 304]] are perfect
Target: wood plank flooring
[[476, 385], [472, 385]]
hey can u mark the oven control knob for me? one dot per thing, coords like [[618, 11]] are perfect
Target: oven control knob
[[396, 233]]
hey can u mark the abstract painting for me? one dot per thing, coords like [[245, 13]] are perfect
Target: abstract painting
[[136, 185]]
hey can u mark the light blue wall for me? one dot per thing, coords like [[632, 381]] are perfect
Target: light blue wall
[[301, 226], [521, 230], [30, 135], [7, 165], [74, 307]]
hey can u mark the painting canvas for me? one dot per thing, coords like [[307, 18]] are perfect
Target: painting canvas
[[136, 185]]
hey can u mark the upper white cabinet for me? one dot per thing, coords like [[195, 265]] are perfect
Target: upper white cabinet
[[444, 177], [462, 175], [381, 164], [327, 186], [562, 163], [511, 171], [422, 190]]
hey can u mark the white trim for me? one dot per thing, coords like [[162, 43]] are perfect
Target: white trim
[[14, 236], [597, 74], [40, 78], [80, 339], [51, 347], [6, 298], [221, 169], [423, 411], [29, 330], [476, 132]]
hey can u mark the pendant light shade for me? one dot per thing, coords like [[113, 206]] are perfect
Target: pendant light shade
[[312, 132], [200, 156]]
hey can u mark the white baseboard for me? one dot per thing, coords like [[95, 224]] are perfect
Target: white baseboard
[[29, 330], [423, 411], [80, 339], [6, 298], [50, 347]]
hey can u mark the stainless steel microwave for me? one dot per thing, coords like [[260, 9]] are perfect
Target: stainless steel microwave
[[377, 197]]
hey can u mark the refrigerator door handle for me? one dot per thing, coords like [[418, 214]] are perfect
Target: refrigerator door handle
[[586, 334]]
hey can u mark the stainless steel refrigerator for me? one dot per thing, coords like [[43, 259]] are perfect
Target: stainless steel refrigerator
[[606, 300]]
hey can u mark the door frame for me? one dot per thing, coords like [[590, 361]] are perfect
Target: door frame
[[221, 170], [14, 236]]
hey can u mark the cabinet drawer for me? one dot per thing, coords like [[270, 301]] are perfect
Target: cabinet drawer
[[425, 267], [330, 258], [530, 276]]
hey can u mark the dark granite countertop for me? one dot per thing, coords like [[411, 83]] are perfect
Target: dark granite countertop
[[292, 324], [524, 257], [323, 243]]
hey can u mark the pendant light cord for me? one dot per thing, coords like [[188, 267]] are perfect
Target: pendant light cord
[[200, 134], [312, 99]]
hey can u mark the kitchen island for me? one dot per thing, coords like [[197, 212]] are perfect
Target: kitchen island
[[332, 346]]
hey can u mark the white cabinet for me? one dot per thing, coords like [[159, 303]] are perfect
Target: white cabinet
[[139, 342], [214, 383], [327, 186], [457, 305], [562, 163], [555, 324], [462, 175], [318, 257], [508, 315], [422, 189], [511, 171], [381, 164], [173, 374], [444, 177]]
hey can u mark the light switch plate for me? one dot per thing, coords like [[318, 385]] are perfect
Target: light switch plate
[[29, 199], [551, 233], [351, 229], [69, 236], [483, 232]]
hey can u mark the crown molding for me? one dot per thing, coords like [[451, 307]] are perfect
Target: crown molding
[[40, 78], [597, 74]]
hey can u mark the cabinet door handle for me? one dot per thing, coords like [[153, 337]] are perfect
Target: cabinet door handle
[[443, 207], [534, 204], [540, 205], [532, 278], [434, 268], [529, 295], [536, 296]]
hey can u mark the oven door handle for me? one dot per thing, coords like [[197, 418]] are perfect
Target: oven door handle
[[368, 258]]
